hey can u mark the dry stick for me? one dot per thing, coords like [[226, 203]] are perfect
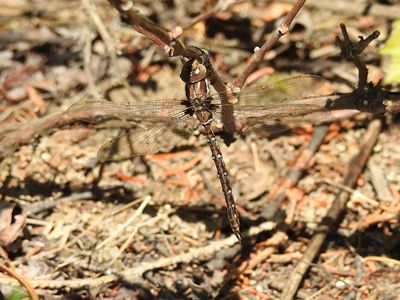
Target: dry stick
[[259, 53], [151, 222], [105, 35], [355, 168], [137, 213], [197, 253], [68, 283], [108, 42], [360, 195], [380, 183], [137, 271], [351, 52], [51, 203], [22, 280], [159, 35], [228, 118], [164, 38], [87, 56], [277, 193]]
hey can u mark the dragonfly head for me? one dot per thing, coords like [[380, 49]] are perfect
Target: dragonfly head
[[193, 71]]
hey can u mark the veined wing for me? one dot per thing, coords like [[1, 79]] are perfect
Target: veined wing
[[274, 93], [277, 105], [299, 109], [276, 124], [158, 110], [142, 141], [279, 118]]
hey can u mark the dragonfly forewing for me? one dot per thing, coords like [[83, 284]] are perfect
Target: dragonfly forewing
[[152, 111], [275, 125]]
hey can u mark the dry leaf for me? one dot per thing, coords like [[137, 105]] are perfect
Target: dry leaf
[[10, 225]]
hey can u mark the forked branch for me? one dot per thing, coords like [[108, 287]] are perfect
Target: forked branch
[[367, 97], [351, 51]]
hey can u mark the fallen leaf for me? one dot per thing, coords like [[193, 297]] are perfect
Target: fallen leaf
[[10, 225]]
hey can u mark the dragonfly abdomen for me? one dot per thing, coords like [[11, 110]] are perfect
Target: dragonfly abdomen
[[233, 214]]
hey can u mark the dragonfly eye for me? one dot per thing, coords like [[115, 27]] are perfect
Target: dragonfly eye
[[198, 73]]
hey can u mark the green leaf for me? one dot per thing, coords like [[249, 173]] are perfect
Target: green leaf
[[392, 50], [16, 293]]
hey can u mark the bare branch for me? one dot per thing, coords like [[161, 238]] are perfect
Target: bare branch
[[259, 53], [351, 52], [159, 35]]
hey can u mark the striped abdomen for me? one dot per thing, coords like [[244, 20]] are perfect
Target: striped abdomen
[[223, 176]]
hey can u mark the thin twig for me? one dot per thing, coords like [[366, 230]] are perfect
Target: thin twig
[[138, 271], [87, 57], [380, 183], [151, 222], [22, 280], [259, 53], [105, 35], [351, 51], [351, 191], [277, 194], [137, 213], [108, 42], [355, 168], [228, 118], [159, 35], [202, 252]]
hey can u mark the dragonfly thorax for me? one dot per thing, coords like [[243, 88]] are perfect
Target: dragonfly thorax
[[205, 117], [200, 103]]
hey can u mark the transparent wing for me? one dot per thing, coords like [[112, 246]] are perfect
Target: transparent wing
[[275, 125], [163, 136], [279, 119], [277, 105], [152, 111], [274, 93]]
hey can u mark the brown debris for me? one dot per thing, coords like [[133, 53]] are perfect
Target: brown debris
[[155, 226]]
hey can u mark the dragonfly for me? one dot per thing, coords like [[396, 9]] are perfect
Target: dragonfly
[[165, 123]]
